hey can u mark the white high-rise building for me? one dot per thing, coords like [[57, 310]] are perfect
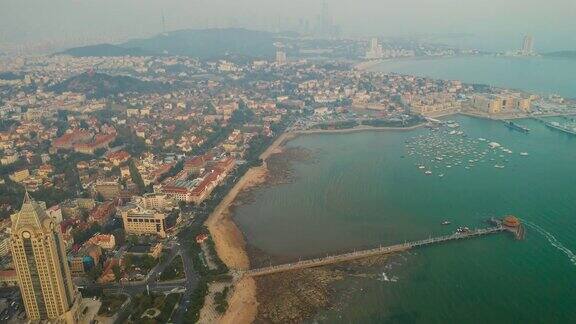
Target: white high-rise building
[[281, 58], [528, 45], [375, 51]]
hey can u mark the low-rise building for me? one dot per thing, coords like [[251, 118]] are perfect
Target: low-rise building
[[501, 103], [108, 189], [105, 241], [7, 159], [4, 244], [139, 220], [157, 201], [55, 212], [76, 266], [434, 104], [108, 272], [118, 157], [73, 208], [100, 141], [8, 278], [67, 141], [197, 190], [153, 249], [20, 175], [101, 213], [85, 259]]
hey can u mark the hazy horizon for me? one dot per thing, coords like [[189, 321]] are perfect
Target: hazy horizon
[[491, 24]]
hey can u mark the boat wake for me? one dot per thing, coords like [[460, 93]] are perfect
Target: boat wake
[[552, 240]]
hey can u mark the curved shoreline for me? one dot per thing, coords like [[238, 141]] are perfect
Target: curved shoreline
[[229, 241]]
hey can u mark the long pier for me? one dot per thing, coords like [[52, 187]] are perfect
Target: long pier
[[373, 252]]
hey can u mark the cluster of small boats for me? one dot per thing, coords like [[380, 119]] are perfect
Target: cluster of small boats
[[447, 147]]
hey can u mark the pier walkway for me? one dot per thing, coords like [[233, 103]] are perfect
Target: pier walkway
[[372, 252]]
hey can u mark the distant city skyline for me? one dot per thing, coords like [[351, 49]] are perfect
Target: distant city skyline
[[80, 22]]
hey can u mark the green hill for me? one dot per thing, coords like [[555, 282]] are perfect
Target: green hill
[[202, 43], [100, 85], [105, 50]]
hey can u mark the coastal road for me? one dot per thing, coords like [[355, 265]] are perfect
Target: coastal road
[[192, 279]]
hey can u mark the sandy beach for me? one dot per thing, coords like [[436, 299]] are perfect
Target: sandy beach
[[243, 304], [230, 244], [228, 239]]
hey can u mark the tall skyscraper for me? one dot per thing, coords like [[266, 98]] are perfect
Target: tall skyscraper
[[40, 261], [528, 45], [324, 19], [326, 24], [163, 22], [375, 51], [281, 57]]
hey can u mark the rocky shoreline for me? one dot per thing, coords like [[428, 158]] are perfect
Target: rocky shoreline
[[278, 171], [296, 296]]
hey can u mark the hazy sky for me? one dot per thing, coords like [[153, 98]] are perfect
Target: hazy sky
[[495, 24]]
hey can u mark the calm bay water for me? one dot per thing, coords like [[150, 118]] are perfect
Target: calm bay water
[[363, 190], [538, 75]]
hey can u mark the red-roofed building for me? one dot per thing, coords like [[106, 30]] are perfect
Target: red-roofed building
[[196, 191], [226, 165], [118, 157], [83, 141], [82, 165], [105, 241], [67, 141], [177, 192], [8, 278], [108, 272], [200, 238], [55, 212], [101, 213], [45, 170], [100, 141], [197, 163], [161, 170], [205, 187]]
